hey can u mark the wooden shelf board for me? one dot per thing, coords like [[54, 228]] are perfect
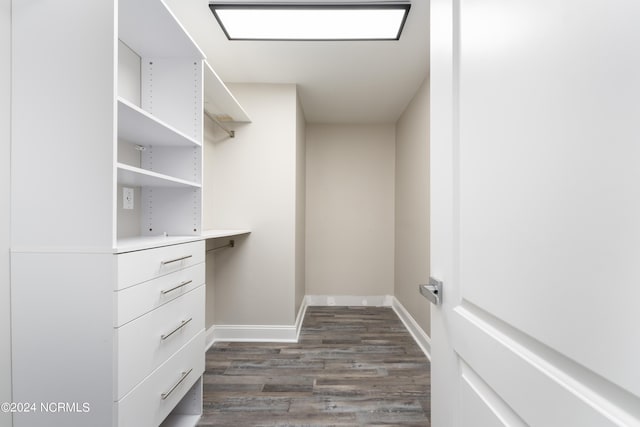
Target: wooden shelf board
[[139, 243], [151, 30], [214, 234], [139, 127], [180, 420], [131, 175], [218, 99]]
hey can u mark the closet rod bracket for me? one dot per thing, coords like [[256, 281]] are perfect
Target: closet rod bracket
[[231, 244]]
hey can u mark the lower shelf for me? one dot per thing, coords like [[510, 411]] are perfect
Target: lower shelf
[[181, 421], [138, 243], [189, 410]]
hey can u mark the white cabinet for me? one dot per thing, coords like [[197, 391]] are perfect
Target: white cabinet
[[149, 341], [156, 397], [135, 301], [137, 266], [159, 326], [107, 302]]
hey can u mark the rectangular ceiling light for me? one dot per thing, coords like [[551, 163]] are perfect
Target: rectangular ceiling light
[[311, 21]]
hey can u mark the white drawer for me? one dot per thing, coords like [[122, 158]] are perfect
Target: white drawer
[[140, 266], [144, 406], [137, 300], [147, 342]]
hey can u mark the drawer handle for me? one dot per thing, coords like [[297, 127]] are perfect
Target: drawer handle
[[182, 325], [175, 260], [168, 393], [185, 283]]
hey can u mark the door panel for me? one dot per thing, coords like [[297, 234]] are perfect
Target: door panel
[[532, 380], [535, 160], [480, 405], [549, 174]]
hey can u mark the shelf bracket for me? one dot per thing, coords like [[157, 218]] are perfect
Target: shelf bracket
[[231, 133]]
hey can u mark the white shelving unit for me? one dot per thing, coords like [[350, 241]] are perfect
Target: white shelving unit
[[123, 94], [165, 130], [219, 102], [139, 127], [165, 68]]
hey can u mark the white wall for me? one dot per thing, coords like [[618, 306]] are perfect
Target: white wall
[[412, 206], [212, 136], [350, 209], [5, 224], [301, 192], [250, 182]]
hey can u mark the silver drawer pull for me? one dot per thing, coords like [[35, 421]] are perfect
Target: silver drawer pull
[[182, 325], [185, 283], [168, 393], [175, 260]]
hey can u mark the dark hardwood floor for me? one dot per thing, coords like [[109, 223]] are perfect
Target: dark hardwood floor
[[352, 366]]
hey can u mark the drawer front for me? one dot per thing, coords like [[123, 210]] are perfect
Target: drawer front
[[137, 300], [147, 342], [140, 266], [144, 406]]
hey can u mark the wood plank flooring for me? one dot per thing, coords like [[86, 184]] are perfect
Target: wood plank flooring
[[352, 366]]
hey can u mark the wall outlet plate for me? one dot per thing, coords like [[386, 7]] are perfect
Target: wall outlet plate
[[127, 198]]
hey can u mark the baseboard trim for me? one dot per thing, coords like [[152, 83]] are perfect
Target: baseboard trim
[[210, 337], [257, 333], [301, 312], [350, 300], [418, 334], [291, 333]]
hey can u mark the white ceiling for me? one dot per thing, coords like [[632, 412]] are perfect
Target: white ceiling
[[338, 82]]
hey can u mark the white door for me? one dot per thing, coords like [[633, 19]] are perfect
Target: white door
[[535, 172]]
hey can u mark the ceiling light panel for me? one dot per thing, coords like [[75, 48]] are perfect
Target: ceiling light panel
[[342, 21]]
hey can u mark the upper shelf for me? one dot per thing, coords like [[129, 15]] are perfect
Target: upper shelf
[[139, 127], [219, 102], [151, 30], [137, 177]]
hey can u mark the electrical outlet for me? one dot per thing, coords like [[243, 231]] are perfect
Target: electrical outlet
[[127, 198]]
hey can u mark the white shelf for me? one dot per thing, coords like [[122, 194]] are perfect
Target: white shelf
[[214, 234], [180, 420], [219, 102], [139, 127], [136, 177], [151, 30], [139, 243]]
